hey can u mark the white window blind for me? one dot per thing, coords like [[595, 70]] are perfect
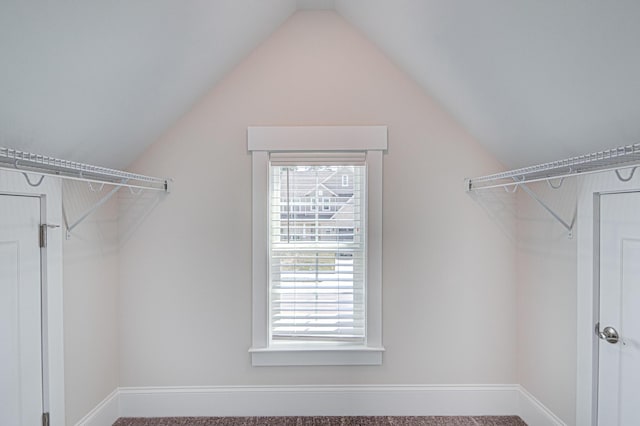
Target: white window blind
[[317, 247]]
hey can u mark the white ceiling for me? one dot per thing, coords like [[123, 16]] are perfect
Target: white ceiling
[[98, 81], [531, 80]]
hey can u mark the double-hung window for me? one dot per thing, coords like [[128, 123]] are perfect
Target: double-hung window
[[317, 222], [317, 257]]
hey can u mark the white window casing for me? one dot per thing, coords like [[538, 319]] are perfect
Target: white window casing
[[278, 149]]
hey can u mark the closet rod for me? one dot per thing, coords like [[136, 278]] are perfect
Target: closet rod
[[25, 162], [601, 161]]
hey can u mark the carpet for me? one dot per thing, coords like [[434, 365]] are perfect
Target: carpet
[[325, 421]]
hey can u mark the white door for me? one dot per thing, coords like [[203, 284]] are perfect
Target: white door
[[619, 327], [20, 312]]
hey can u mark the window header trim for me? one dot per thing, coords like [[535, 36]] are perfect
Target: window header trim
[[317, 138]]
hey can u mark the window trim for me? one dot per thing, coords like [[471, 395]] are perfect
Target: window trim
[[261, 142]]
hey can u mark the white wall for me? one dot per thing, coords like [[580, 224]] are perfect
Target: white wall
[[547, 292], [185, 270], [90, 301]]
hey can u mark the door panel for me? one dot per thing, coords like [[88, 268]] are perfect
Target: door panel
[[619, 362], [20, 312]]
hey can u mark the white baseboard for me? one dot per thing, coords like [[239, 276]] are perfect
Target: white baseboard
[[534, 413], [319, 400], [359, 400], [105, 413]]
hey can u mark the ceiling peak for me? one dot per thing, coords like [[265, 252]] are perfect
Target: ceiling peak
[[316, 4]]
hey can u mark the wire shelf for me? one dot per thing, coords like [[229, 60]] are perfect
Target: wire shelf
[[15, 160], [610, 159]]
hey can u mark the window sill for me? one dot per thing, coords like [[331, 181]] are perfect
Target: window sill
[[291, 356]]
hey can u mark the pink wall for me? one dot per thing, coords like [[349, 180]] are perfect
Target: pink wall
[[547, 295], [185, 270], [91, 320]]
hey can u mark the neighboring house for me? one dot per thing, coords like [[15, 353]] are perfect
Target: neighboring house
[[317, 204]]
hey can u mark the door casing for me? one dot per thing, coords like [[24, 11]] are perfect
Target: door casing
[[51, 280], [42, 302]]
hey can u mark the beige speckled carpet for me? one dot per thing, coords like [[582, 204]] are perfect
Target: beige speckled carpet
[[325, 421]]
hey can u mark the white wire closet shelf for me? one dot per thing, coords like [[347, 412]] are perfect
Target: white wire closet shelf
[[25, 162], [607, 160]]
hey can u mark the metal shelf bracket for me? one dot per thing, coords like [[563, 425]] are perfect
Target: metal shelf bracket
[[87, 213], [556, 216]]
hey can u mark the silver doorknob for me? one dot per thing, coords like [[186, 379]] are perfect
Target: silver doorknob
[[609, 334]]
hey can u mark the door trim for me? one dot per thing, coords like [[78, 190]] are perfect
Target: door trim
[[49, 192], [590, 189], [44, 367]]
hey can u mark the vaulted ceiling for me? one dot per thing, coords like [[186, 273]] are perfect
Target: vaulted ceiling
[[531, 80]]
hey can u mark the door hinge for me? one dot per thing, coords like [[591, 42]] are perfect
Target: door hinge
[[45, 419], [43, 237], [43, 233]]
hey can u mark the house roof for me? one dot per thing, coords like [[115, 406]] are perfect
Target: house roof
[[321, 182], [532, 80]]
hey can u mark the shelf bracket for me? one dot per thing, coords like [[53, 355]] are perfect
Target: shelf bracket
[[556, 216], [90, 210]]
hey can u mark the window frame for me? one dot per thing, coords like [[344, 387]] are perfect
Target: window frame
[[265, 140]]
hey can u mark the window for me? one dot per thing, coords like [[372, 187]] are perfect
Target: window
[[317, 248], [326, 207], [316, 281]]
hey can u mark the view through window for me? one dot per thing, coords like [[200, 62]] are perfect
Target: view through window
[[317, 253]]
